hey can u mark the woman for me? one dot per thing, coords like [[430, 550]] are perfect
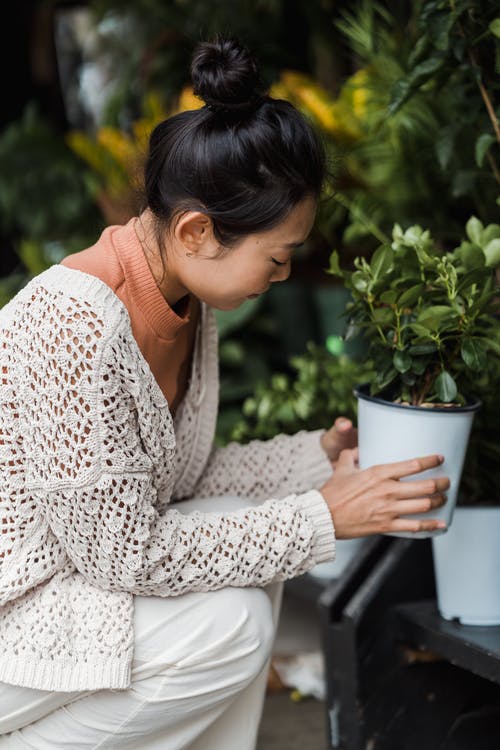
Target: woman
[[141, 567]]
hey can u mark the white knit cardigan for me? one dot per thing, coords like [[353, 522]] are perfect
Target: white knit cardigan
[[91, 466]]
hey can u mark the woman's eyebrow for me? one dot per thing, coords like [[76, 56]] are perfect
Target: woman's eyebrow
[[295, 244]]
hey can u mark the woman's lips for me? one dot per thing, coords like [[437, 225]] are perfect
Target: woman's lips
[[253, 296]]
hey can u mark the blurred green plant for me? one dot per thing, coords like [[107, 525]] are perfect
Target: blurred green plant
[[429, 147], [248, 354], [319, 389], [428, 316], [44, 192], [46, 205]]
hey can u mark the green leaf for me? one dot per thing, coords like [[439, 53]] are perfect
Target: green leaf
[[419, 349], [494, 27], [476, 276], [232, 353], [482, 145], [444, 147], [334, 268], [419, 365], [433, 317], [265, 406], [474, 229], [463, 182], [421, 330], [351, 332], [446, 388], [491, 232], [411, 295], [401, 361], [473, 354], [492, 253], [425, 69], [381, 261], [383, 379], [418, 51], [359, 281], [439, 29], [399, 94], [389, 297], [472, 256], [383, 315]]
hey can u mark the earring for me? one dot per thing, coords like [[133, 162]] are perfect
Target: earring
[[189, 255]]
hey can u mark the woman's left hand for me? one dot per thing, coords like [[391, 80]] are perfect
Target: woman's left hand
[[342, 435]]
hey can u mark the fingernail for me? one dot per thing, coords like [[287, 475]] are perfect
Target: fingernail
[[441, 525], [441, 459]]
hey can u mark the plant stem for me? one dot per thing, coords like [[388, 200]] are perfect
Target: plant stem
[[494, 167], [487, 101], [377, 325], [359, 214], [491, 113]]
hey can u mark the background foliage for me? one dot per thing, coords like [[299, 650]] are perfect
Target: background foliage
[[405, 95]]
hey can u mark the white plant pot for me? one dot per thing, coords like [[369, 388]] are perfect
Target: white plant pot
[[466, 564], [392, 432]]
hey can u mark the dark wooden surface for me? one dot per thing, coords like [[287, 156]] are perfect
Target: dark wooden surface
[[476, 648], [399, 677]]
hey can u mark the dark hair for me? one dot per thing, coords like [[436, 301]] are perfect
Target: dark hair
[[244, 159]]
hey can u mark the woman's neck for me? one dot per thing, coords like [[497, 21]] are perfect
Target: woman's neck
[[169, 285]]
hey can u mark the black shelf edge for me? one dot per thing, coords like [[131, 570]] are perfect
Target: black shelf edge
[[475, 648]]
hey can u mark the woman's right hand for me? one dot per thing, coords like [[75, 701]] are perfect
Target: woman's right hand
[[374, 501]]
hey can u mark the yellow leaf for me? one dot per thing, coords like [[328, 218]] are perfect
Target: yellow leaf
[[188, 100], [119, 145]]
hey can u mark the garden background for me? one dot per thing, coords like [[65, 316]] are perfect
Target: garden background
[[405, 95]]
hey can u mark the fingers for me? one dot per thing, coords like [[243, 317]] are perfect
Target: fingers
[[342, 424], [418, 488], [407, 468], [415, 525], [420, 505], [348, 459]]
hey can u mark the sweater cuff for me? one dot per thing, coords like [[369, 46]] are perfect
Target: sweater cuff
[[313, 463], [314, 505]]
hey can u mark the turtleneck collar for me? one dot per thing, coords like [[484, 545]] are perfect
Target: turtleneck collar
[[142, 285]]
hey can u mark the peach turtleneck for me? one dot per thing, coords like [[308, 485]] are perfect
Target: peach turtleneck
[[165, 338]]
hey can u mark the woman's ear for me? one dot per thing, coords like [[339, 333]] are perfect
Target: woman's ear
[[194, 232]]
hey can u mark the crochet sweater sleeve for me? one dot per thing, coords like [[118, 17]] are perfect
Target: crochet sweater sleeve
[[277, 467], [102, 448]]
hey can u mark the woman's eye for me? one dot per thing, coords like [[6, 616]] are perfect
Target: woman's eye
[[278, 263]]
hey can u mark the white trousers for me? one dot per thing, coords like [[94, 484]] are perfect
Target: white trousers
[[199, 675]]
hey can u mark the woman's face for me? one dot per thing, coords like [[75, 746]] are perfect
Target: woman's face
[[224, 280]]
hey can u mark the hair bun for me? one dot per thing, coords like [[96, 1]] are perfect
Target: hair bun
[[225, 75]]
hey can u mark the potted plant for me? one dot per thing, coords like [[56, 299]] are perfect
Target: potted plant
[[467, 582], [428, 317]]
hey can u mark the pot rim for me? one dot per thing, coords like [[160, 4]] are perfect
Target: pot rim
[[362, 392]]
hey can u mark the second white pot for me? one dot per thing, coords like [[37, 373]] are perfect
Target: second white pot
[[466, 563], [391, 432]]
